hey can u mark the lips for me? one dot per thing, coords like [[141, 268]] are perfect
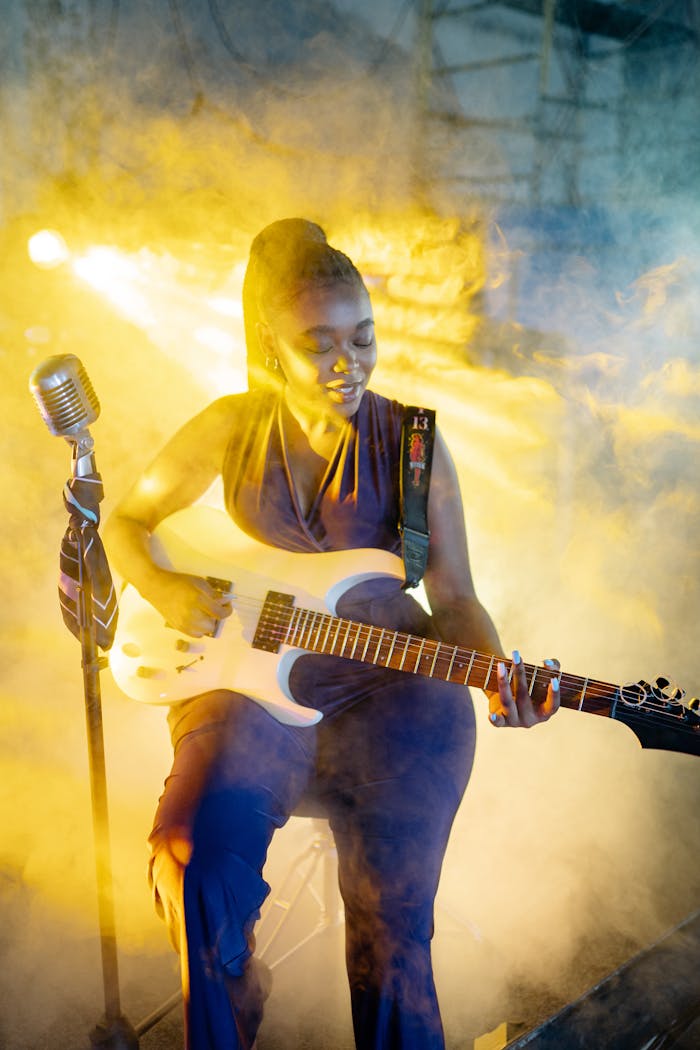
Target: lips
[[347, 391]]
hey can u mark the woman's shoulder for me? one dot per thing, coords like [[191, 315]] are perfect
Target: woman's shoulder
[[379, 405], [232, 407], [386, 411]]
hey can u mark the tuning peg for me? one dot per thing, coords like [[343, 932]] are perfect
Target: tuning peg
[[667, 690]]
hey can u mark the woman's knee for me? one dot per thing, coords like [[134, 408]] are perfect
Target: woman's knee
[[166, 868]]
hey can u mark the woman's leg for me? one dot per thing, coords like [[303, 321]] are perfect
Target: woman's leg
[[196, 730], [231, 786], [395, 766]]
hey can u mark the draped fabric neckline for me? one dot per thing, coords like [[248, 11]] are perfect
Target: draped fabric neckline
[[286, 421], [354, 501]]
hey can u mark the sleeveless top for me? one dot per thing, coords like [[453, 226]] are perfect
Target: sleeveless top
[[358, 500]]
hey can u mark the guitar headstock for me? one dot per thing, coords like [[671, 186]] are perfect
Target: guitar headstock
[[657, 714]]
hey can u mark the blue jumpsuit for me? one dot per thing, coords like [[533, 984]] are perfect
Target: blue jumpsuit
[[387, 765]]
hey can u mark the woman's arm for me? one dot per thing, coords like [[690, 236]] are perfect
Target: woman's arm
[[178, 476], [457, 612]]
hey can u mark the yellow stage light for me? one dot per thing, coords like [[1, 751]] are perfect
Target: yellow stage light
[[47, 249]]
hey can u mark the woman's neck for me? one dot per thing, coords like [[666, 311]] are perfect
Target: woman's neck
[[320, 429]]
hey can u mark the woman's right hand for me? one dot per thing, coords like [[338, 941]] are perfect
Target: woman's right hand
[[188, 603]]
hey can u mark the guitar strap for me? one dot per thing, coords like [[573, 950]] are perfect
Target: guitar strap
[[417, 439]]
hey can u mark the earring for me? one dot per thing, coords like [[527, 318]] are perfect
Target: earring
[[271, 364]]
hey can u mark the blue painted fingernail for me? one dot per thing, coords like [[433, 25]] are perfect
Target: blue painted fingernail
[[493, 716], [516, 656], [549, 663], [555, 685], [501, 669]]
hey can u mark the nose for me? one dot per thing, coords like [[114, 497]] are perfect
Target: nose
[[346, 360]]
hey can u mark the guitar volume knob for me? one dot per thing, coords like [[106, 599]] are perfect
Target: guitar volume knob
[[147, 672]]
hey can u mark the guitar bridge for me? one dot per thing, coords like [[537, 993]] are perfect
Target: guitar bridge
[[272, 627]]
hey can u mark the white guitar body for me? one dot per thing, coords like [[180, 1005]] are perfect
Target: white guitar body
[[155, 664]]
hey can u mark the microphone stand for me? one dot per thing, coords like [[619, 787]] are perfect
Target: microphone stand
[[114, 1032]]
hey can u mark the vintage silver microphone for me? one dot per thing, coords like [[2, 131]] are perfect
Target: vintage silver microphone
[[64, 394], [68, 405]]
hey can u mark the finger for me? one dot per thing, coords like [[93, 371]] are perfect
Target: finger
[[211, 601], [504, 710], [210, 606], [550, 704], [496, 715], [526, 711]]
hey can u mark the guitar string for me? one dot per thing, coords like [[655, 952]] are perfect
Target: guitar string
[[595, 689], [306, 623], [411, 644]]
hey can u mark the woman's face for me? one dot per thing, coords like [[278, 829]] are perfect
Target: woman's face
[[325, 346]]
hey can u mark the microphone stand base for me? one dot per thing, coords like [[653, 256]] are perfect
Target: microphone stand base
[[114, 1034]]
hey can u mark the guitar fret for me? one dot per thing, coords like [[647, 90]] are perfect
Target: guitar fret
[[358, 632], [312, 628], [309, 630], [420, 651], [299, 628], [315, 630], [488, 673], [345, 639], [532, 680], [328, 630], [471, 664], [452, 663], [583, 693], [291, 628], [379, 645], [335, 636], [364, 651], [391, 649], [405, 652], [432, 666], [322, 621], [304, 622]]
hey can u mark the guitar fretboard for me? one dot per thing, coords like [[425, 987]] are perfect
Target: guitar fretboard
[[657, 719], [320, 632]]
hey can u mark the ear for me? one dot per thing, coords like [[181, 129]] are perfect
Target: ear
[[266, 339]]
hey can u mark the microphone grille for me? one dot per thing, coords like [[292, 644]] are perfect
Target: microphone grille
[[64, 394]]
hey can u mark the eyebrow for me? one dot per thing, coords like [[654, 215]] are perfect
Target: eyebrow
[[327, 329]]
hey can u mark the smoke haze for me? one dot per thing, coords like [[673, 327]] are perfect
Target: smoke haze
[[575, 431]]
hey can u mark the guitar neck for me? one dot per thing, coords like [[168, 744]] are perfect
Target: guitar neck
[[658, 720], [334, 636]]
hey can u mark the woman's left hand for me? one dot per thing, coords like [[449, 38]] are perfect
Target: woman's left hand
[[512, 705]]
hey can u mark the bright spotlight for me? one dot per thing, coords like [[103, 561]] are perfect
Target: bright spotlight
[[47, 249]]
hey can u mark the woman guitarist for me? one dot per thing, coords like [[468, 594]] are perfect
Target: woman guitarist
[[310, 460]]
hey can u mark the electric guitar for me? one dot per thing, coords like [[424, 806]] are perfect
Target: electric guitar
[[253, 650]]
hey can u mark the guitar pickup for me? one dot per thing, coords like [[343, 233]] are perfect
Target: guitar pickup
[[271, 630]]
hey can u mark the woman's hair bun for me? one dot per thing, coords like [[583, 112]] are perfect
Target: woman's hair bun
[[286, 236]]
